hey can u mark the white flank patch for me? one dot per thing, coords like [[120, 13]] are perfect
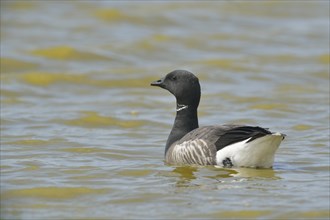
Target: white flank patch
[[258, 153]]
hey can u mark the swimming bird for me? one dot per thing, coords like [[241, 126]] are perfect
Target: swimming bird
[[221, 145]]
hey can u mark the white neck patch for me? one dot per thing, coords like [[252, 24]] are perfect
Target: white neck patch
[[181, 107]]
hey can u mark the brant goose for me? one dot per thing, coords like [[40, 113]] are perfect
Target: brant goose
[[225, 145]]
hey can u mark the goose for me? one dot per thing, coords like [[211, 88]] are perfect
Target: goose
[[225, 146]]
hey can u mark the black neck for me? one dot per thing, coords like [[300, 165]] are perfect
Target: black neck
[[186, 120]]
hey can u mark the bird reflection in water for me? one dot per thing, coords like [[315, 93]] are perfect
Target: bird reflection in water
[[187, 174]]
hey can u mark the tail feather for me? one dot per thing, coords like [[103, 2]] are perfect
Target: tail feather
[[258, 153]]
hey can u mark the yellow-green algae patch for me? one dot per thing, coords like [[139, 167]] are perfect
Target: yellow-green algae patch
[[84, 150], [93, 119], [246, 214], [322, 74], [51, 192], [302, 127], [93, 177], [18, 5], [225, 64], [30, 166], [67, 53], [9, 93], [325, 58], [239, 99], [317, 214], [134, 173], [296, 88], [10, 97], [47, 79], [148, 197], [280, 58], [31, 142], [270, 106], [14, 65], [36, 142], [161, 38], [110, 14]]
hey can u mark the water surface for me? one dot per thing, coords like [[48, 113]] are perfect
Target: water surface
[[83, 133]]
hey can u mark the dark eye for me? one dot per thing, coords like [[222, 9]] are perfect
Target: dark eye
[[173, 78]]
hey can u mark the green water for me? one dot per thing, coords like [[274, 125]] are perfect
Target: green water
[[83, 133]]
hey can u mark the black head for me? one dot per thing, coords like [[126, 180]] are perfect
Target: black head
[[183, 85]]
